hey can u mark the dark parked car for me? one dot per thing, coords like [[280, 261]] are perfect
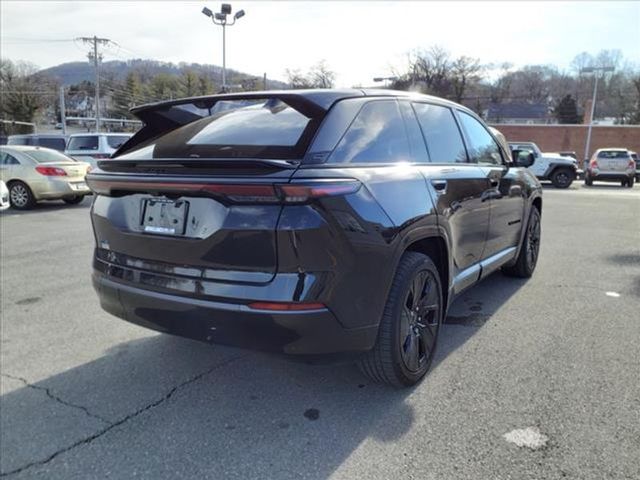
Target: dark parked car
[[54, 141], [324, 222]]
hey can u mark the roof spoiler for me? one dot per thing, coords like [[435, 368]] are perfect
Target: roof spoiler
[[163, 117]]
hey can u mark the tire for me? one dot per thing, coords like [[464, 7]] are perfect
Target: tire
[[20, 196], [587, 181], [528, 256], [631, 181], [562, 177], [73, 200], [623, 183], [408, 331]]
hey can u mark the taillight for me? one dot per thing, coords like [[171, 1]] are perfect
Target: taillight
[[50, 171], [238, 193], [300, 193], [593, 164], [285, 306], [632, 163]]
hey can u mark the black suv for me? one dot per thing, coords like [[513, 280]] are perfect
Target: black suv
[[312, 223]]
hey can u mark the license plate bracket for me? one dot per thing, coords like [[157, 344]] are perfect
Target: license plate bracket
[[165, 217]]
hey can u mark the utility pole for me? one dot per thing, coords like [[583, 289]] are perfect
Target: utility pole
[[595, 71], [63, 112], [95, 41]]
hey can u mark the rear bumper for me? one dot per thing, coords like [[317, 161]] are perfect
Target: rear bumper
[[55, 189], [313, 332], [610, 176]]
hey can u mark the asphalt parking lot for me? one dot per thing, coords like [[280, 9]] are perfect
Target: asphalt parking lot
[[85, 395]]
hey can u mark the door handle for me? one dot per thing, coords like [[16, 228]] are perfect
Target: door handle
[[439, 185]]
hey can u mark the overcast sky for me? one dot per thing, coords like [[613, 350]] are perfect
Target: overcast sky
[[359, 40]]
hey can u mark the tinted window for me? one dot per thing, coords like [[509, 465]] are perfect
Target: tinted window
[[377, 135], [115, 142], [263, 129], [481, 145], [89, 142], [441, 133], [48, 156], [55, 143]]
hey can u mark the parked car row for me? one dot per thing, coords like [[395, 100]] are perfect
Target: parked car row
[[86, 147], [606, 164]]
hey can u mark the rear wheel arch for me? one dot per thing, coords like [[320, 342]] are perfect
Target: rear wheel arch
[[537, 203], [435, 247]]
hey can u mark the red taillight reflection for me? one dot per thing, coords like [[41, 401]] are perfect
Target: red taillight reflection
[[285, 306], [50, 171], [593, 164]]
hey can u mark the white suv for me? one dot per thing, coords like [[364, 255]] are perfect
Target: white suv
[[91, 147], [611, 165], [561, 171]]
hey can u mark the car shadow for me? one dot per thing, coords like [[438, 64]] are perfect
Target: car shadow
[[165, 400], [48, 206]]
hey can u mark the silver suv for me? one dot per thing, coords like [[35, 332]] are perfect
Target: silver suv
[[611, 165], [91, 147]]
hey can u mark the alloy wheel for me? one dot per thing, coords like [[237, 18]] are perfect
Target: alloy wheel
[[533, 241], [19, 195], [420, 321]]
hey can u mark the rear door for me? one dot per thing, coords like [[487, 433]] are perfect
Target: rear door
[[458, 187], [505, 192]]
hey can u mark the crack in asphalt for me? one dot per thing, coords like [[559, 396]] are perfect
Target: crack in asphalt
[[123, 420], [56, 398]]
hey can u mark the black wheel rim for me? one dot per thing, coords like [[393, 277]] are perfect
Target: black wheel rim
[[533, 241], [562, 179], [420, 321]]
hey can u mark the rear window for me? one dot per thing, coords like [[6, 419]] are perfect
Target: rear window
[[613, 154], [268, 129], [55, 143], [89, 142], [115, 142], [48, 156]]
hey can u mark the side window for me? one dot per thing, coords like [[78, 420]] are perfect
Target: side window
[[377, 135], [55, 143], [6, 159], [441, 133], [482, 147]]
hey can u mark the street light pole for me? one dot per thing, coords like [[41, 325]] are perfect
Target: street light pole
[[385, 80], [593, 70], [220, 18]]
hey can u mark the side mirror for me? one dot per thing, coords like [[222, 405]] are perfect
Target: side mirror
[[522, 158]]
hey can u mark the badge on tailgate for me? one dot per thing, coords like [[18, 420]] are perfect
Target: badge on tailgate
[[164, 216]]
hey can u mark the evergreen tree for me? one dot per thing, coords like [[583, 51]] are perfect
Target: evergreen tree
[[567, 110]]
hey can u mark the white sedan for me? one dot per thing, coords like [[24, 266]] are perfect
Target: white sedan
[[4, 196]]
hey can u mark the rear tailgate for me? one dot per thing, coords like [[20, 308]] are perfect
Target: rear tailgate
[[613, 162], [192, 193], [213, 227]]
